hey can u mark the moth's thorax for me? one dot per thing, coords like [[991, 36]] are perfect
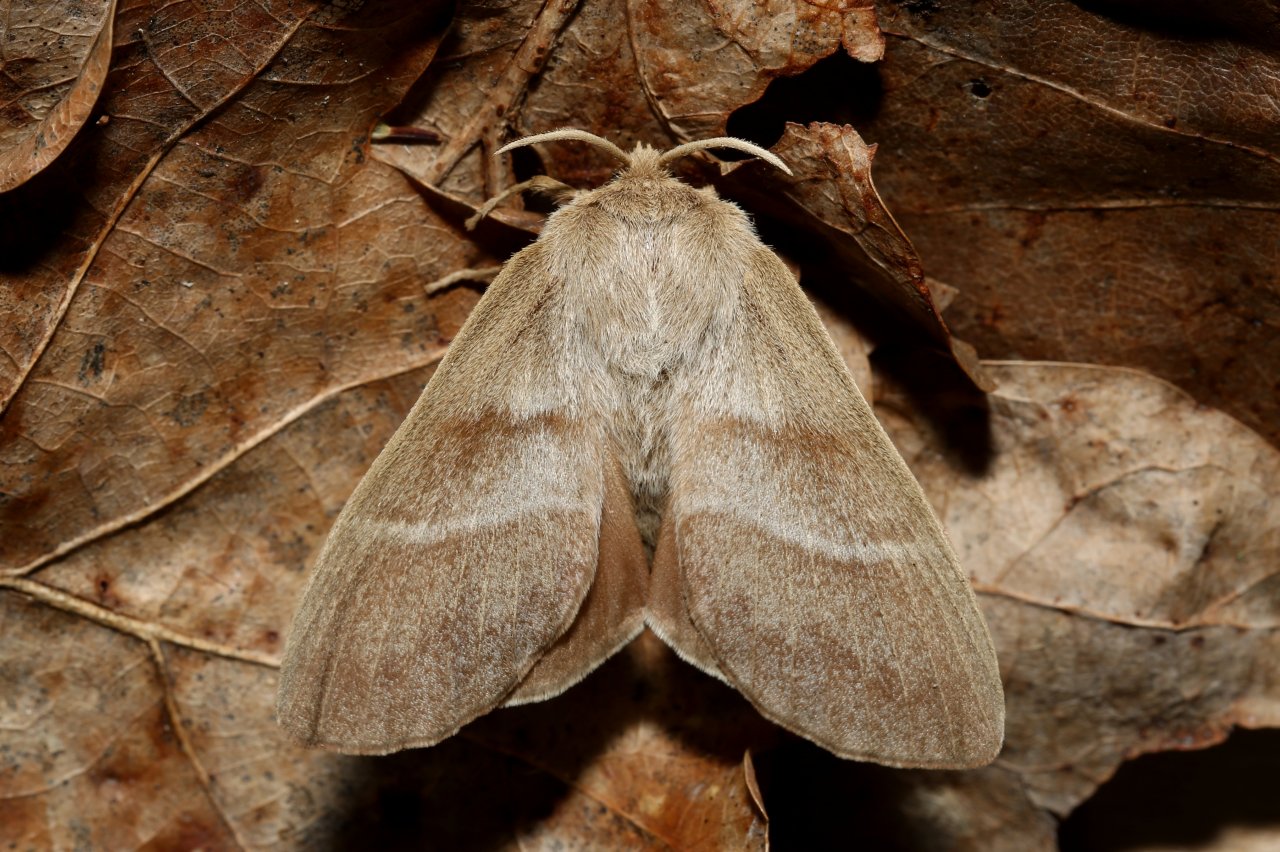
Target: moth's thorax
[[644, 264]]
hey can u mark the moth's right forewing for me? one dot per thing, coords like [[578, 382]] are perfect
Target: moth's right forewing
[[810, 564], [467, 549]]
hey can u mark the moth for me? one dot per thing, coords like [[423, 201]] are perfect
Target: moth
[[643, 423]]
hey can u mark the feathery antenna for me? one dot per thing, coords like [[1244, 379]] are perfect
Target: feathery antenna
[[568, 133], [724, 142]]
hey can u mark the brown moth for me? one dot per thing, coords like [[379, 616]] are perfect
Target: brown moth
[[643, 422]]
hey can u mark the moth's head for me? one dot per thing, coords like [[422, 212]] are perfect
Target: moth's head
[[643, 160]]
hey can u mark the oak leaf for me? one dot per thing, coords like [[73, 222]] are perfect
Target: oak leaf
[[1123, 543], [1098, 179], [54, 65]]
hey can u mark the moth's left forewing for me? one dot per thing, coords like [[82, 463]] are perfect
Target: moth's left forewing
[[454, 576], [809, 562]]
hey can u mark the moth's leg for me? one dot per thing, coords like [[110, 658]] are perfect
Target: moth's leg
[[548, 186], [480, 276]]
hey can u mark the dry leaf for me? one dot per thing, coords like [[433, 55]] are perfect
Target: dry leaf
[[57, 226], [257, 267], [670, 70], [832, 200], [1124, 544], [1100, 180], [202, 364], [55, 60]]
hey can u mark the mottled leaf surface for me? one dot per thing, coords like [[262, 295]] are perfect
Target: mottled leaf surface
[[53, 61], [1125, 546], [1100, 181]]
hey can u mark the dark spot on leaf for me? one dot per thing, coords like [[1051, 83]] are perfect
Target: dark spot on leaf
[[92, 364], [189, 409]]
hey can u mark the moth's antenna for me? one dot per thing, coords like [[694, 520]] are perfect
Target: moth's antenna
[[568, 133], [724, 142]]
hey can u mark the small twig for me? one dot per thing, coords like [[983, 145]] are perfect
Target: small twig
[[483, 275], [549, 186], [388, 133], [144, 630], [753, 785], [506, 94]]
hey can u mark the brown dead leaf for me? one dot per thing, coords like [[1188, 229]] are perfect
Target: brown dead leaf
[[55, 59], [1123, 542], [658, 71], [831, 199], [256, 267], [1099, 179], [219, 317], [56, 226], [88, 753]]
